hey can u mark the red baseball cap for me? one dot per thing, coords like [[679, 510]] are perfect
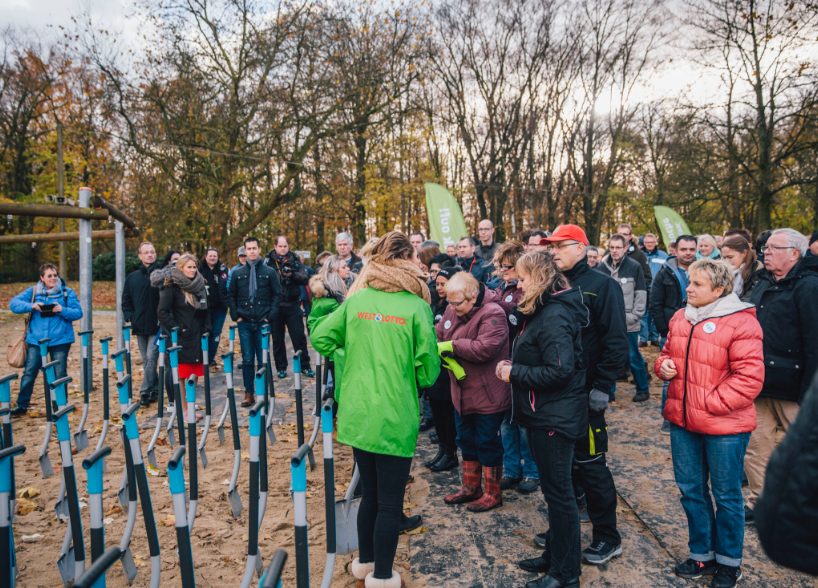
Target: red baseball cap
[[566, 233]]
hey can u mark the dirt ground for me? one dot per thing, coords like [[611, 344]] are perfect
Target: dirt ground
[[453, 548]]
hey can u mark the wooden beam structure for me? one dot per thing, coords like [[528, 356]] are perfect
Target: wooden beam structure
[[52, 211], [55, 237]]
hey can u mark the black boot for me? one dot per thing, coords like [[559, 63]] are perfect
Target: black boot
[[440, 453], [447, 462], [552, 582], [409, 523]]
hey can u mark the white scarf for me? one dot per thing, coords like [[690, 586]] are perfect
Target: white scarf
[[723, 306]]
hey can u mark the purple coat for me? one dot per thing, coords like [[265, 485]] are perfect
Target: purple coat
[[480, 341]]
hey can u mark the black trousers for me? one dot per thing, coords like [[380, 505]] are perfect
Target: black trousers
[[554, 454], [443, 417], [591, 474], [289, 315], [383, 483]]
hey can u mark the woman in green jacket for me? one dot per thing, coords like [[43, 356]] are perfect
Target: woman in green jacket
[[385, 328]]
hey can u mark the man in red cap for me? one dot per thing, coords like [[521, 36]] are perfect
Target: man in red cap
[[605, 354]]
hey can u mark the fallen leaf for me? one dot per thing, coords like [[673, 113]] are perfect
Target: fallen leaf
[[28, 492], [169, 521], [25, 506]]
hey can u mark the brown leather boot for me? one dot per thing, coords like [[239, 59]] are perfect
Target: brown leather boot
[[492, 494], [471, 489], [249, 399]]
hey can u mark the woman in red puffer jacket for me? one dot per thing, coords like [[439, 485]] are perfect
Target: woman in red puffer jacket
[[713, 359]]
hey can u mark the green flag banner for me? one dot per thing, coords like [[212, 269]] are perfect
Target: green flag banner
[[446, 224], [670, 223]]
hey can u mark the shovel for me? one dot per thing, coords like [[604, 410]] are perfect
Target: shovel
[[81, 434], [66, 563], [346, 518], [233, 496]]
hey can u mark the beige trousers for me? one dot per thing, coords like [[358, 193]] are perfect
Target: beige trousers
[[771, 415]]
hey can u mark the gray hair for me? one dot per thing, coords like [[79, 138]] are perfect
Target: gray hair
[[344, 237], [718, 271], [796, 240]]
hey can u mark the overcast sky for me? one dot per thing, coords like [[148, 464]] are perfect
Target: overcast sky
[[43, 17]]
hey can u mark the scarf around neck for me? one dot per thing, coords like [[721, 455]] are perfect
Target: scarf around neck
[[397, 275], [723, 306], [195, 286], [253, 285]]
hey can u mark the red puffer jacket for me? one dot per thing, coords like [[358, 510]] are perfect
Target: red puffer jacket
[[480, 341], [720, 365]]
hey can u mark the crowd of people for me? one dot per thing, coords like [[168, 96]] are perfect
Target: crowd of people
[[511, 352]]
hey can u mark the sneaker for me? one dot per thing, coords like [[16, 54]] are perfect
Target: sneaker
[[601, 552], [641, 396], [665, 430], [528, 485], [749, 516], [537, 565], [282, 374], [507, 483], [692, 569], [18, 411], [540, 539], [726, 576], [309, 373], [444, 464]]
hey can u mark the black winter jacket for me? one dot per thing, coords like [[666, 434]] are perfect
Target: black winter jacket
[[268, 294], [547, 374], [788, 312], [786, 513], [174, 311], [140, 301], [635, 253], [295, 278], [216, 279], [666, 296], [605, 338], [477, 267]]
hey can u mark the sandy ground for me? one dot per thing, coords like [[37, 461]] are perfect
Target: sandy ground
[[453, 548]]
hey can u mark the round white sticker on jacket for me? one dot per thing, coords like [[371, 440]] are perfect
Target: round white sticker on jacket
[[447, 325], [509, 298], [709, 327]]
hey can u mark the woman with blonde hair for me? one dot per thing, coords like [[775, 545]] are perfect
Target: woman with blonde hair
[[549, 399], [708, 248], [473, 337], [714, 361], [183, 304], [385, 328]]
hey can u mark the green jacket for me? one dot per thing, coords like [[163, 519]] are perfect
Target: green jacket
[[321, 309], [391, 352]]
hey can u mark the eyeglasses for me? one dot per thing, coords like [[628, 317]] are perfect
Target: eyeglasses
[[767, 248], [563, 244], [458, 304], [506, 268]]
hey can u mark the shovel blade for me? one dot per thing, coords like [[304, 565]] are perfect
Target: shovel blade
[[271, 435], [122, 494], [220, 433], [259, 566], [152, 458], [66, 566], [311, 457], [346, 525], [234, 499], [81, 440], [203, 457], [61, 509], [45, 466], [128, 565], [171, 437]]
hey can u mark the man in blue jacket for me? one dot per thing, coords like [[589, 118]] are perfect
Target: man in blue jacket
[[53, 307], [648, 334]]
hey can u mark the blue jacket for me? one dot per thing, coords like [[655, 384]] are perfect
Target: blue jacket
[[656, 260], [57, 327]]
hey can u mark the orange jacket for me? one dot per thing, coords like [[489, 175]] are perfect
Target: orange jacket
[[720, 365]]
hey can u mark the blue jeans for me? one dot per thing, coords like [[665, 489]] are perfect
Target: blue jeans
[[516, 450], [697, 457], [250, 341], [217, 317], [34, 364], [478, 437], [637, 362], [648, 331]]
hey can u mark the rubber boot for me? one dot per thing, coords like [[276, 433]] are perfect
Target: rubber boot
[[492, 494], [393, 582], [361, 571], [471, 490]]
